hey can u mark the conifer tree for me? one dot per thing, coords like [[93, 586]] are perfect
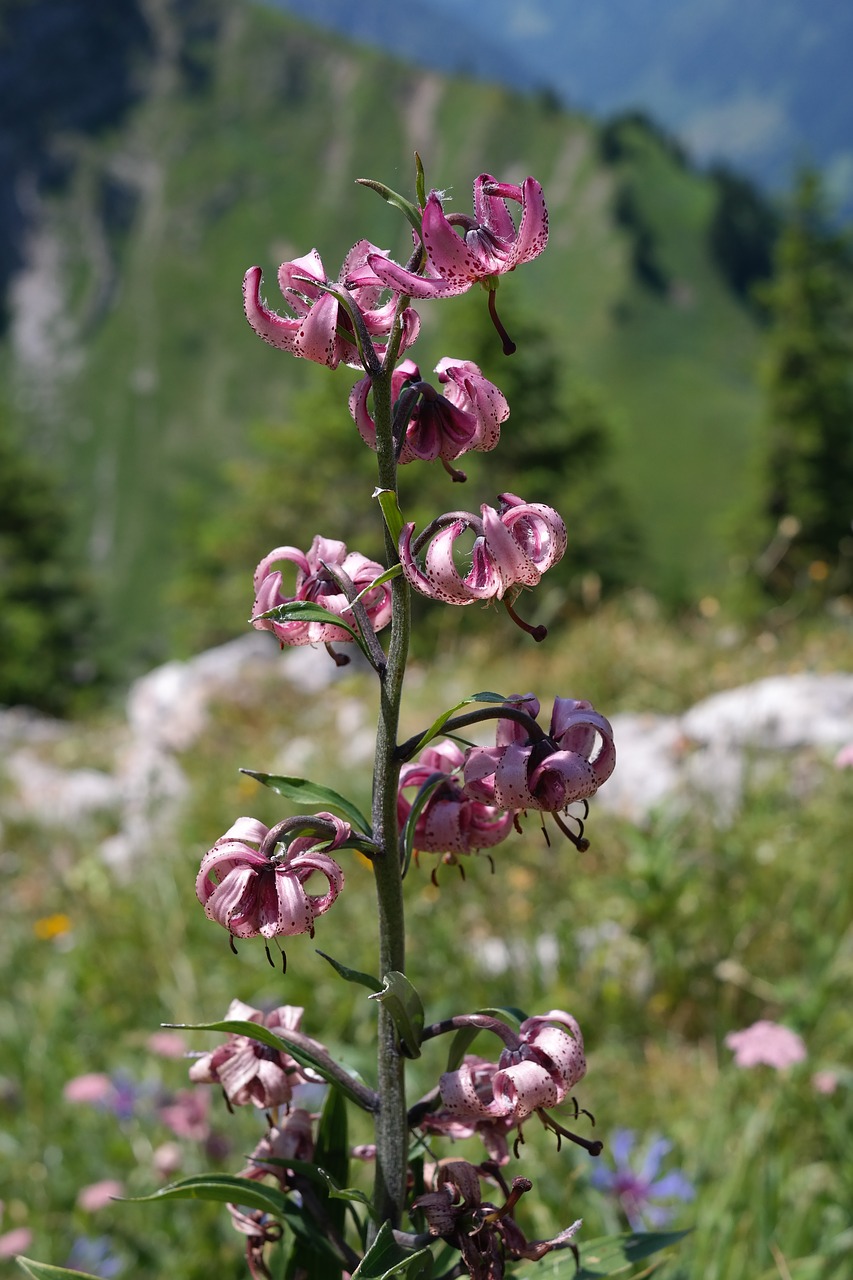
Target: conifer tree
[[807, 500]]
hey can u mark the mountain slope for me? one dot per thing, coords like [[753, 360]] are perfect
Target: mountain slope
[[128, 358]]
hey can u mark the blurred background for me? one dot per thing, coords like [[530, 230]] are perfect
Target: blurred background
[[682, 393]]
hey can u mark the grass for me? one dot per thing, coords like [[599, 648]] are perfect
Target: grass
[[659, 940]]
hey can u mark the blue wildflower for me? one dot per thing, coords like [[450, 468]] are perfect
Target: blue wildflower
[[636, 1185]]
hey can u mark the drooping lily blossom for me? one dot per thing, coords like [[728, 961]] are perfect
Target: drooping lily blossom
[[451, 822], [315, 582], [489, 245], [537, 1074], [491, 1129], [321, 330], [248, 1071], [252, 891], [513, 546], [486, 1235], [466, 416], [548, 772]]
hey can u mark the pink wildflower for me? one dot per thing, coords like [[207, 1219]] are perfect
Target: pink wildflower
[[15, 1241], [768, 1044], [321, 329], [247, 1070], [315, 583], [261, 891], [451, 822], [99, 1194]]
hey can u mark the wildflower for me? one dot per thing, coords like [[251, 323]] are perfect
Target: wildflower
[[167, 1044], [535, 1074], [844, 758], [547, 772], [637, 1189], [490, 244], [466, 417], [825, 1082], [321, 329], [514, 545], [261, 891], [492, 1130], [93, 1087], [319, 574], [451, 822], [485, 1234], [766, 1043], [99, 1194], [95, 1256], [15, 1241], [247, 1070], [187, 1115]]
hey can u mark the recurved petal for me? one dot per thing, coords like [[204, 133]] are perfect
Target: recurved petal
[[533, 228], [561, 779], [537, 529], [512, 790], [523, 1087], [277, 330], [398, 278], [489, 207], [459, 1094], [438, 578], [317, 337], [510, 559]]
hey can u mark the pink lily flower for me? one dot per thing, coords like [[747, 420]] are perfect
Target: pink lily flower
[[538, 1074], [490, 244], [467, 416], [314, 582], [247, 1070], [548, 773], [251, 891], [451, 822], [321, 330], [513, 546]]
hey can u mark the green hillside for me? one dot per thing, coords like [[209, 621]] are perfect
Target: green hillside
[[129, 362]]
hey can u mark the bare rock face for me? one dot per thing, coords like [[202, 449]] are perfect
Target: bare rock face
[[706, 756], [711, 751]]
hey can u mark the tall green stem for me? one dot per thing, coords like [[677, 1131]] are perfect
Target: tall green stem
[[391, 1127]]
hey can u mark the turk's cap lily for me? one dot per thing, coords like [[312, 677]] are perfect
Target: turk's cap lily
[[321, 328], [466, 416], [514, 545], [462, 250], [261, 890], [451, 822], [536, 1074], [316, 573], [248, 1071], [549, 773]]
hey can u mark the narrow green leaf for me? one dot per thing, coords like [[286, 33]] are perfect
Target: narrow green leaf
[[238, 1027], [406, 1009], [226, 1188], [307, 611], [391, 512], [394, 198], [420, 181], [418, 805], [437, 725], [44, 1271], [350, 1194], [311, 794], [393, 572], [604, 1256], [385, 1259], [353, 975], [311, 1256]]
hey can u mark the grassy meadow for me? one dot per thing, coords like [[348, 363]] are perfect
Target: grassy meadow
[[660, 939]]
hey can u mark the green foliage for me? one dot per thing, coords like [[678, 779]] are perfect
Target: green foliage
[[742, 233], [659, 942], [807, 502], [46, 611]]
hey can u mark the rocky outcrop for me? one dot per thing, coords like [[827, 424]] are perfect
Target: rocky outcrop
[[707, 755]]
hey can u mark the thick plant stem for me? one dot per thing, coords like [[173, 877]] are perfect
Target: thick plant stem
[[391, 1124]]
